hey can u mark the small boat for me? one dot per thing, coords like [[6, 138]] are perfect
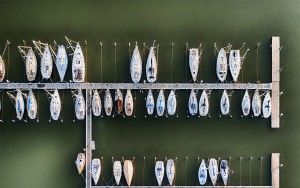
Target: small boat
[[117, 171], [235, 64], [159, 172], [61, 62], [160, 103], [266, 105], [151, 66], [136, 65], [128, 106], [80, 162], [31, 105], [96, 170], [79, 105], [171, 103], [55, 105], [31, 65], [224, 103], [118, 101], [246, 104], [203, 104], [96, 103], [170, 170], [150, 102], [213, 170], [194, 60], [256, 104], [193, 103], [221, 67], [202, 173], [128, 171], [2, 69], [46, 63], [78, 65], [224, 170], [19, 103], [108, 104]]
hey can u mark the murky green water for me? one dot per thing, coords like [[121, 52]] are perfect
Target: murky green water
[[42, 154]]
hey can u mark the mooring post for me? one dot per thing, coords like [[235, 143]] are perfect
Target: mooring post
[[275, 115], [88, 138]]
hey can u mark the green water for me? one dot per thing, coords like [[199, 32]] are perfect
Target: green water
[[42, 154]]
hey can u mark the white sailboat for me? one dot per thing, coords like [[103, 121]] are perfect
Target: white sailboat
[[78, 65], [151, 66], [221, 67], [117, 171], [55, 105], [96, 103], [160, 103], [202, 173], [224, 103], [31, 65], [108, 104], [203, 104], [80, 162], [170, 170], [136, 65], [159, 172], [2, 69], [128, 103], [256, 103], [46, 63], [246, 104], [128, 171], [79, 105], [213, 170], [194, 61], [224, 170], [19, 103], [96, 170], [266, 105], [235, 64], [119, 101], [171, 103], [150, 104], [61, 62], [31, 105], [193, 103]]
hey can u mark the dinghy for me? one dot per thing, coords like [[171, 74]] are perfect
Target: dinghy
[[2, 69], [150, 102], [136, 65], [235, 64], [128, 103], [256, 104], [31, 105], [79, 105], [19, 103], [78, 65], [55, 105], [96, 170], [80, 162], [31, 65], [61, 62], [171, 103], [46, 63], [221, 67], [193, 103], [170, 170], [128, 171], [213, 170], [118, 101], [117, 171], [151, 66], [266, 105], [194, 60], [203, 104], [224, 103], [246, 104], [159, 172], [160, 103], [108, 104], [202, 173], [224, 170], [96, 103]]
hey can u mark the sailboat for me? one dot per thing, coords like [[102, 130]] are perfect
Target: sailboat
[[31, 105], [246, 104], [266, 105], [235, 64], [79, 105], [171, 103], [224, 103], [151, 66], [46, 63], [160, 103], [256, 103], [224, 170], [202, 173], [61, 62], [221, 67], [193, 103], [150, 102], [136, 65], [213, 170], [31, 65], [159, 172], [55, 105], [19, 103], [203, 104], [2, 69], [80, 162], [78, 65], [117, 171], [96, 103], [118, 101], [96, 170], [170, 170], [128, 171], [108, 104], [194, 61], [128, 103]]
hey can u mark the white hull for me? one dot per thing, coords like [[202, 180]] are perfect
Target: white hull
[[202, 173], [117, 171], [194, 61], [235, 64], [150, 104], [151, 66], [96, 103], [128, 171], [78, 65], [19, 105], [160, 103], [96, 170], [108, 104], [31, 105], [46, 63], [267, 105], [61, 62], [159, 172], [256, 104], [224, 170], [80, 162], [55, 105], [213, 171], [2, 69], [136, 65], [193, 103], [128, 103], [79, 105], [224, 103], [246, 104], [171, 103], [31, 65], [170, 170], [221, 67], [203, 104], [119, 101]]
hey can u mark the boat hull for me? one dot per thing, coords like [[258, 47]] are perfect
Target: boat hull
[[170, 170], [117, 171], [267, 105], [203, 104], [150, 104], [80, 106], [31, 65], [136, 65], [46, 63], [128, 103], [96, 170], [78, 65], [159, 172], [194, 61], [160, 103], [202, 173], [224, 103], [108, 104], [151, 66], [61, 62], [193, 103], [235, 64], [128, 171], [221, 67], [55, 105], [171, 103], [31, 105]]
